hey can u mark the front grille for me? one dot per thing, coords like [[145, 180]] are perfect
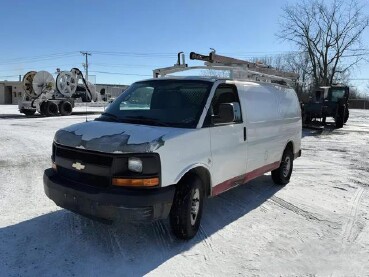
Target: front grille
[[84, 156], [87, 158], [99, 167], [83, 178]]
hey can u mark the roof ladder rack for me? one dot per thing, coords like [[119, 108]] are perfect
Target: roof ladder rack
[[239, 69]]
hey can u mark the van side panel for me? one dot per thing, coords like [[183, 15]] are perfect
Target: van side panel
[[291, 113], [272, 119]]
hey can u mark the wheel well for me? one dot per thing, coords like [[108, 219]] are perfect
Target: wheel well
[[204, 176], [290, 146]]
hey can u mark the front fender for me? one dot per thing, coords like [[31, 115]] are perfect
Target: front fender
[[190, 167]]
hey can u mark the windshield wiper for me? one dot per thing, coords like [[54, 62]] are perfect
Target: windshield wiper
[[142, 119]]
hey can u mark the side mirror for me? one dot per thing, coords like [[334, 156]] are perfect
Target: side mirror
[[229, 112]]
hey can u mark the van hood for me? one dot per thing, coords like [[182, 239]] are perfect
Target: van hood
[[111, 137]]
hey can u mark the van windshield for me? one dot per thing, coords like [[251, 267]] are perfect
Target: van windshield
[[173, 103]]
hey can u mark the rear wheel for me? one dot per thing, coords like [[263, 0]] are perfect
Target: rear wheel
[[186, 212], [65, 108], [43, 108], [282, 175], [51, 109]]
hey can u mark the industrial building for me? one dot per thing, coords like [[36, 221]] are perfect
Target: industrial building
[[12, 91], [107, 91]]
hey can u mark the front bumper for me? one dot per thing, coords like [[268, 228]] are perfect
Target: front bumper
[[109, 204]]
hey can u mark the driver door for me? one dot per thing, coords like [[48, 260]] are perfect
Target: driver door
[[228, 142]]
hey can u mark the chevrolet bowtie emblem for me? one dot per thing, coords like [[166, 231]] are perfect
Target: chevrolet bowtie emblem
[[78, 166]]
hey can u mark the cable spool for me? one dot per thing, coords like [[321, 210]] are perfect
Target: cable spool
[[43, 82], [27, 83], [66, 83], [76, 72], [89, 88]]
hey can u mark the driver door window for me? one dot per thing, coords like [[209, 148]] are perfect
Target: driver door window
[[223, 94]]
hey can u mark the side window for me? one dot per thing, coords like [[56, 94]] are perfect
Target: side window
[[223, 94]]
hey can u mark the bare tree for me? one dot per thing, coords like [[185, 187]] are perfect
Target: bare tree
[[328, 32]]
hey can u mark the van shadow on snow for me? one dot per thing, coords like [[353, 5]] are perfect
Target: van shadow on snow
[[64, 244]]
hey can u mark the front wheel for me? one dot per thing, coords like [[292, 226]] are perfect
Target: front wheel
[[282, 175], [186, 212], [340, 117], [347, 114]]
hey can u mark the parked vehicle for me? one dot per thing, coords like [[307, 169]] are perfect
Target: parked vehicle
[[329, 101], [165, 144], [50, 98]]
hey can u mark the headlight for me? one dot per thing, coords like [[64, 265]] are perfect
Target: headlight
[[135, 164]]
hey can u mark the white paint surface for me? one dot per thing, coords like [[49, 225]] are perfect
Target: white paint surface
[[316, 225]]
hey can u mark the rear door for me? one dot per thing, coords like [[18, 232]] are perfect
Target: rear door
[[228, 142]]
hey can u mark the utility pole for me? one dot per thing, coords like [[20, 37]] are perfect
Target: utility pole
[[86, 64]]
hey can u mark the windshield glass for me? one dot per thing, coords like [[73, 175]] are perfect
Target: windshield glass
[[174, 103], [337, 93]]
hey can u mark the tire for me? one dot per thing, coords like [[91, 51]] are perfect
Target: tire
[[340, 117], [28, 112], [51, 109], [347, 114], [65, 108], [306, 118], [186, 212], [282, 175], [43, 108]]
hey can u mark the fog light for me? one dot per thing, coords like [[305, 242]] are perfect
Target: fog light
[[135, 164]]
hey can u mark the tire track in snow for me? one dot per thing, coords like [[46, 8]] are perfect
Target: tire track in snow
[[307, 215], [161, 235], [348, 235], [207, 242]]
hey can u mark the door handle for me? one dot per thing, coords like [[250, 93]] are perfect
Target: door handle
[[244, 134]]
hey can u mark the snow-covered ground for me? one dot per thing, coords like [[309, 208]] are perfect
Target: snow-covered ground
[[316, 225]]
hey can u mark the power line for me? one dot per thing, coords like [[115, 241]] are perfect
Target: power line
[[121, 73], [40, 56], [69, 65], [37, 60], [121, 65]]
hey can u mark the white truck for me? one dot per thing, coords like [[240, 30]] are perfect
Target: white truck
[[49, 98], [167, 143]]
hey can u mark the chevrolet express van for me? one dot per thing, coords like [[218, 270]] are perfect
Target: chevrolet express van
[[166, 144]]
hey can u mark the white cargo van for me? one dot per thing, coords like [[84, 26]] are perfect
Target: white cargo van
[[165, 144]]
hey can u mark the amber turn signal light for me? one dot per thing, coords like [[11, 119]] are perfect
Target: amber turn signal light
[[148, 182]]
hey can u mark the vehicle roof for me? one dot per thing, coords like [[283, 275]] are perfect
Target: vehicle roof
[[194, 78], [211, 79]]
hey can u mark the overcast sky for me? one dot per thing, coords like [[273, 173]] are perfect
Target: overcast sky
[[130, 38]]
